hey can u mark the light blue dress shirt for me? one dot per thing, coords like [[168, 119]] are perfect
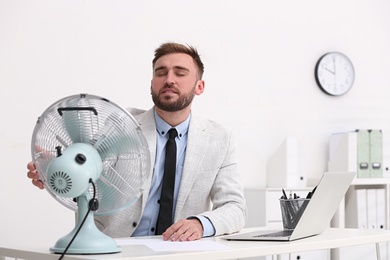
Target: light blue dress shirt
[[148, 221]]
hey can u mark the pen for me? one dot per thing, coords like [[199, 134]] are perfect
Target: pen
[[284, 194], [310, 194]]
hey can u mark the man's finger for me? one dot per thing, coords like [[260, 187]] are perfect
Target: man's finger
[[38, 183], [31, 166], [33, 175]]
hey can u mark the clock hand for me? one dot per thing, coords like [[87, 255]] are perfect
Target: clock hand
[[330, 71], [334, 65]]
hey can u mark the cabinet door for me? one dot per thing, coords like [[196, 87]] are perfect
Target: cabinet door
[[317, 255]]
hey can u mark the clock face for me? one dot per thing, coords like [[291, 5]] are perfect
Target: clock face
[[334, 73]]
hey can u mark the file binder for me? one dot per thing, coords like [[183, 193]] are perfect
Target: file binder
[[360, 151], [356, 208], [343, 152], [376, 154], [282, 166], [363, 153]]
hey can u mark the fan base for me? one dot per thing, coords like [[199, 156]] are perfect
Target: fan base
[[93, 243], [90, 250], [89, 240]]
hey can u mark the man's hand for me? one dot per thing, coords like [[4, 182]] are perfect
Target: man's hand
[[33, 174], [184, 230]]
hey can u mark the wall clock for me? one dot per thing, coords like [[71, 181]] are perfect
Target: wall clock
[[334, 73]]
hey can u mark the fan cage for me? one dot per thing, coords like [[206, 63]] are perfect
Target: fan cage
[[112, 131]]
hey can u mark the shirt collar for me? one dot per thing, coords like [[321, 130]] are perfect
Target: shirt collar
[[163, 127]]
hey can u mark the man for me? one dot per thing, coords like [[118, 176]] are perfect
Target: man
[[208, 194]]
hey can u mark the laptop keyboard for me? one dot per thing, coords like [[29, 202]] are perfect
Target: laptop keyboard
[[282, 233]]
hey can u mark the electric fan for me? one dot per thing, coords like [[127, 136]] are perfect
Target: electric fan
[[93, 158]]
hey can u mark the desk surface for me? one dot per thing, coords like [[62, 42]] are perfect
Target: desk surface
[[331, 238]]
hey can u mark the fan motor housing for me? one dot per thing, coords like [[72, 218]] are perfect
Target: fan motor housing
[[68, 175]]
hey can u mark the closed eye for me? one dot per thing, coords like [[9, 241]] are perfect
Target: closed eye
[[178, 70]]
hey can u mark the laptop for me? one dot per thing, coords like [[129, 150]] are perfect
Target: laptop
[[317, 215]]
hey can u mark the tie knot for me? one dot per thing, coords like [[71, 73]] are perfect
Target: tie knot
[[172, 133]]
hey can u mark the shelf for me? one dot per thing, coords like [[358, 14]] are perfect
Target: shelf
[[371, 181]]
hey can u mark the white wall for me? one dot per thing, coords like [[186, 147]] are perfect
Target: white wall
[[259, 58]]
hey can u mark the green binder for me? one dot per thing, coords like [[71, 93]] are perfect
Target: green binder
[[363, 153], [376, 157]]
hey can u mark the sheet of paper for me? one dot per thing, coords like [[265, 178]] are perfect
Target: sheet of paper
[[159, 245], [136, 241]]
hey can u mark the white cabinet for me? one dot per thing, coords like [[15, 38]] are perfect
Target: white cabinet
[[264, 210], [365, 206]]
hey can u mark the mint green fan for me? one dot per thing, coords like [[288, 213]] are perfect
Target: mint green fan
[[93, 158]]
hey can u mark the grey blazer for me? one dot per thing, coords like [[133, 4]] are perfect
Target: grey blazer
[[210, 184]]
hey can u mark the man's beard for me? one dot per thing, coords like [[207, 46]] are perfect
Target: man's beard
[[166, 105]]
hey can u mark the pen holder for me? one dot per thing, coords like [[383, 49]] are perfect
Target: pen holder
[[292, 210]]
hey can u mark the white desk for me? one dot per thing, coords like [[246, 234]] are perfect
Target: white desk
[[331, 238]]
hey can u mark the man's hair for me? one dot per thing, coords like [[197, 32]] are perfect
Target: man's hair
[[171, 47]]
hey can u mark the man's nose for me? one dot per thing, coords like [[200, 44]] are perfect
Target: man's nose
[[170, 79]]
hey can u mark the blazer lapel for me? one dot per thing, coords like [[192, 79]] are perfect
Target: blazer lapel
[[197, 140], [148, 127]]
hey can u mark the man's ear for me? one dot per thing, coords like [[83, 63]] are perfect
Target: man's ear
[[200, 85]]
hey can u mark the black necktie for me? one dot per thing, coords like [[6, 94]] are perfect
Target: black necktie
[[166, 201]]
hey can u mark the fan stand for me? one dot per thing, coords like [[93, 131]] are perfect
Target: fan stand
[[89, 240]]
